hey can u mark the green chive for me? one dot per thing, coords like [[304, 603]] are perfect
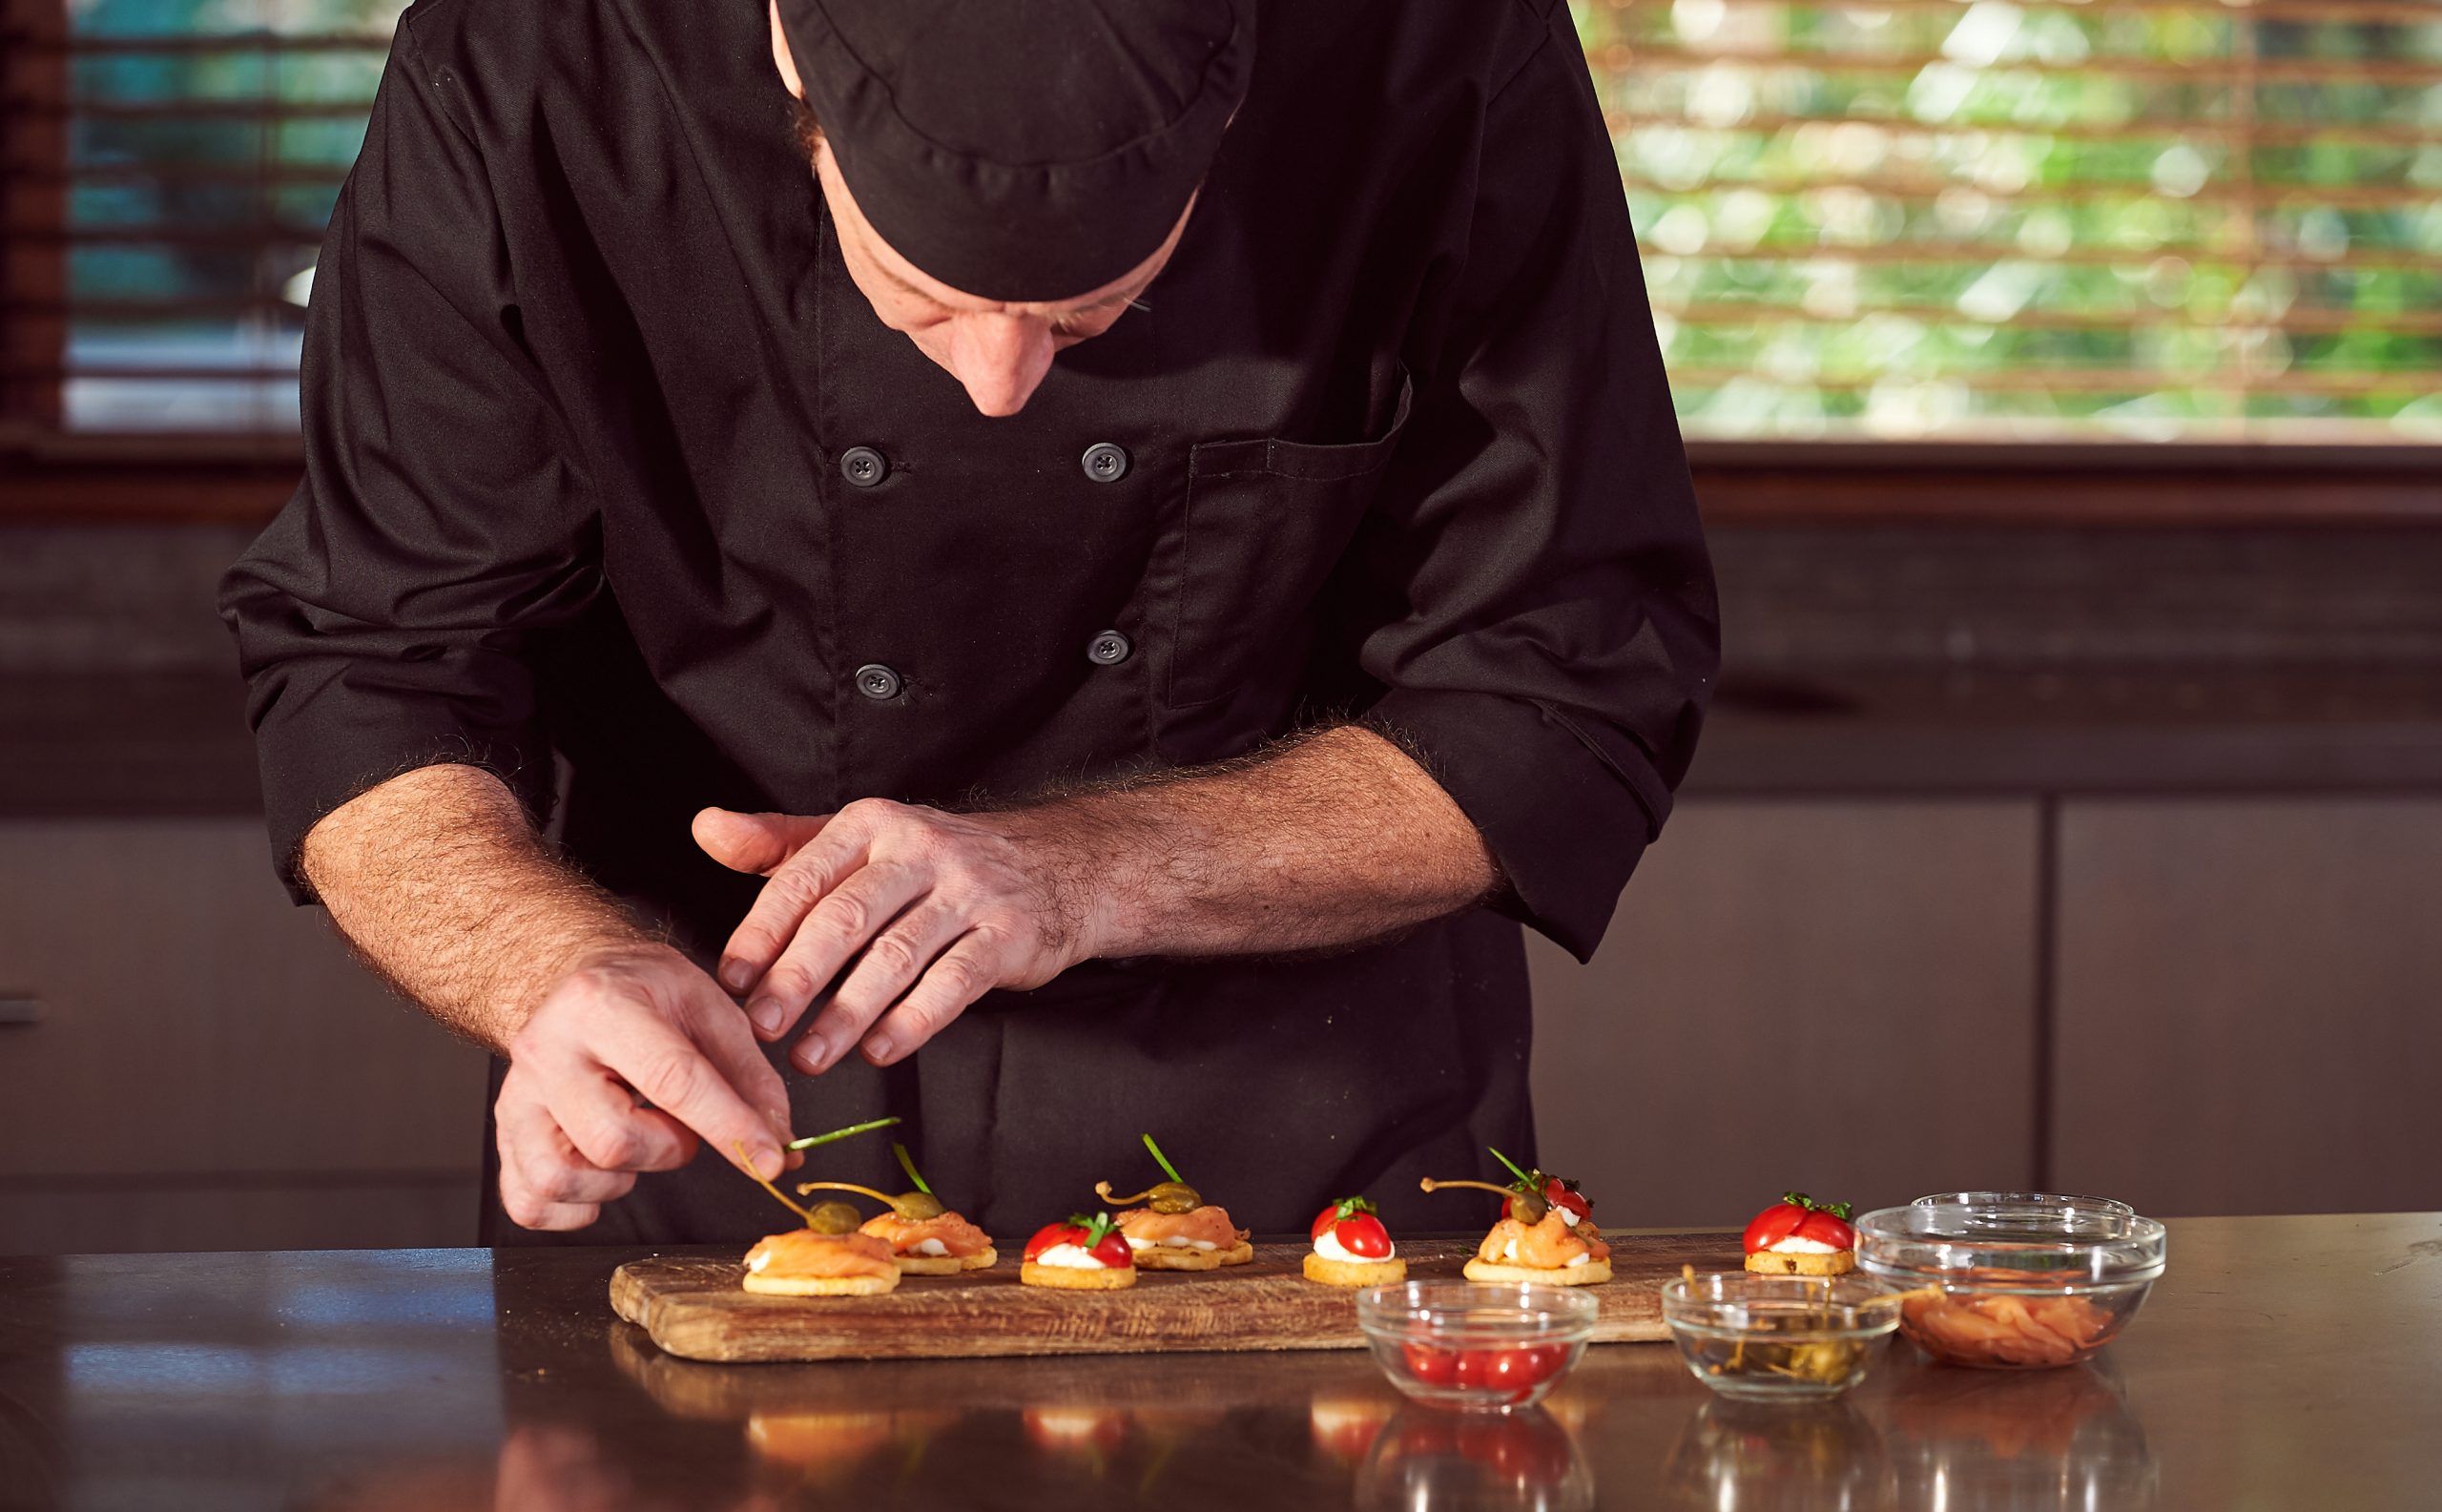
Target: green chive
[[1513, 1168], [908, 1165], [1163, 1161], [812, 1140]]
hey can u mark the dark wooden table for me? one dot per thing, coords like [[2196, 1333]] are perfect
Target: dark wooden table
[[2283, 1362]]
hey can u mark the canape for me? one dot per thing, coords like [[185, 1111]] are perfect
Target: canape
[[827, 1257], [925, 1237], [1081, 1254], [1798, 1236], [1177, 1230], [1546, 1231], [1351, 1248]]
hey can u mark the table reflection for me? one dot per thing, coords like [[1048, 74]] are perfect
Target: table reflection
[[1923, 1436], [2017, 1442], [1778, 1456], [1013, 1431], [1428, 1461]]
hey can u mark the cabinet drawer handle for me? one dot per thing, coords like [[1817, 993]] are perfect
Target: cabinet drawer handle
[[17, 1011]]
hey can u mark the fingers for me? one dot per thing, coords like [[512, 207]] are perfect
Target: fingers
[[752, 842], [790, 894], [722, 1034], [674, 1073], [835, 929], [601, 1120], [965, 972], [889, 966], [543, 1182]]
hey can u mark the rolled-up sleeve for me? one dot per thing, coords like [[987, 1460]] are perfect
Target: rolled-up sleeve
[[1545, 620], [379, 619]]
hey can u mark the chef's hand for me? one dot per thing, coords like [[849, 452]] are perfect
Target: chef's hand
[[634, 1021], [933, 910]]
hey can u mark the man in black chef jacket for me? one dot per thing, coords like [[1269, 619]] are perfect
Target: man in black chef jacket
[[1125, 544]]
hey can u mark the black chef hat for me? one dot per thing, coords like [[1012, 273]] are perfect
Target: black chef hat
[[1022, 149]]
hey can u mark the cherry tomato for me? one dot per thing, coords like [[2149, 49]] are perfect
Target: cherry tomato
[[1520, 1368], [1365, 1237], [1803, 1219], [1113, 1251], [1432, 1364], [1323, 1220], [1051, 1235]]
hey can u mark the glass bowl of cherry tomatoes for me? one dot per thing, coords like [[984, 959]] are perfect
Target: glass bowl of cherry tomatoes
[[1476, 1347]]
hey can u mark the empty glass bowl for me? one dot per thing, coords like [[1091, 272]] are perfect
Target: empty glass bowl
[[1472, 1346], [2024, 1282], [1777, 1337], [2067, 1201]]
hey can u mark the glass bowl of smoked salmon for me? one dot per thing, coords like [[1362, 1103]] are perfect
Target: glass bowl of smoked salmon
[[2011, 1281], [1476, 1346]]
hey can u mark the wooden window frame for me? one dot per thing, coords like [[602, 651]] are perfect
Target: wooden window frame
[[243, 480]]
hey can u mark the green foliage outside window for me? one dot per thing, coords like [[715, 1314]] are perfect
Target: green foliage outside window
[[1916, 219], [2109, 218]]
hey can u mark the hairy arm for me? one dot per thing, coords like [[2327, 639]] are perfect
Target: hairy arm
[[437, 880], [622, 1052], [1331, 840]]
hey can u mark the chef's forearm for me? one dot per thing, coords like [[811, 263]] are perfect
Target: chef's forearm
[[1331, 840], [437, 880]]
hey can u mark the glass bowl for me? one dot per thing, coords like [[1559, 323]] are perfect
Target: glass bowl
[[2025, 1283], [1477, 1348], [1777, 1337], [2067, 1201]]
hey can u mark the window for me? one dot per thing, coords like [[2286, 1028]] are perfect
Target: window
[[1904, 220], [2156, 219], [169, 167]]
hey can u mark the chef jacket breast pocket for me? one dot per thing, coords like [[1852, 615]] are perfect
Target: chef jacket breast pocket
[[1264, 525]]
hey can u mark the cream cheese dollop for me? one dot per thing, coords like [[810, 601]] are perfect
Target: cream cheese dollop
[[1069, 1257], [1175, 1241], [1795, 1245], [1329, 1247]]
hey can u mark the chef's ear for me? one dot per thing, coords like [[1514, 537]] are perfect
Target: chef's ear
[[781, 57]]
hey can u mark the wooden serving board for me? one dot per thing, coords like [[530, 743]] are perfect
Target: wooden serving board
[[694, 1307]]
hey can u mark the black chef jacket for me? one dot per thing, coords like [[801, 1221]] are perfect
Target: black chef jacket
[[616, 486]]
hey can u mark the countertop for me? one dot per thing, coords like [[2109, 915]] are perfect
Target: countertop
[[2281, 1362]]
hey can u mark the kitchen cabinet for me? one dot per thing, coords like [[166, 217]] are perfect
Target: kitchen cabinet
[[2249, 1010], [210, 1068], [1832, 995]]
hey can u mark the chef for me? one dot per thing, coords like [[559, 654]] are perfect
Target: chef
[[1058, 570]]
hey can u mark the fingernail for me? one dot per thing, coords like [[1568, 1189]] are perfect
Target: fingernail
[[769, 1162], [736, 975], [813, 1054], [879, 1049], [766, 1014]]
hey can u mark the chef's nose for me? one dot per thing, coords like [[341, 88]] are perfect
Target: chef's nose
[[1000, 358]]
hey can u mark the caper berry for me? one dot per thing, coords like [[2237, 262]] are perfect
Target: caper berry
[[915, 1207], [832, 1218], [1175, 1196], [1527, 1208]]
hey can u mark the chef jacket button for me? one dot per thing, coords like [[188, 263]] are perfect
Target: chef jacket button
[[1105, 462], [878, 682], [1109, 648], [863, 466]]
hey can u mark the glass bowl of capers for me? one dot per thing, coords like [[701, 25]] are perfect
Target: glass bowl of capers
[[1778, 1337]]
